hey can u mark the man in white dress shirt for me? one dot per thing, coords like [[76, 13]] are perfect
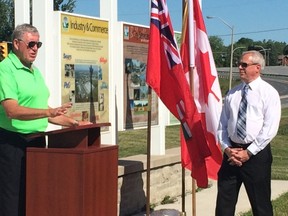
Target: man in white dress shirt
[[248, 159]]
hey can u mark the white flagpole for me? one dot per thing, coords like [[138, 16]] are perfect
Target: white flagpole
[[192, 32]]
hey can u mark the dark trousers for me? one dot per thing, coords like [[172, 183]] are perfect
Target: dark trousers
[[255, 174], [13, 171]]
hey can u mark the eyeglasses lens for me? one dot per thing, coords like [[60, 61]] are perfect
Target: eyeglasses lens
[[243, 64], [31, 44]]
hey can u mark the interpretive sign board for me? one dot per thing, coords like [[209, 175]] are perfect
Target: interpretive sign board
[[135, 50], [84, 67]]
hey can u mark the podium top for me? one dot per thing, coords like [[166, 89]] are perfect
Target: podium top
[[82, 136], [69, 129], [82, 127]]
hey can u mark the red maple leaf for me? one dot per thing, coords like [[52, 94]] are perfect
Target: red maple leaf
[[206, 77]]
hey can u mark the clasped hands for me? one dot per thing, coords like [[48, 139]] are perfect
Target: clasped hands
[[60, 110], [237, 156], [58, 116]]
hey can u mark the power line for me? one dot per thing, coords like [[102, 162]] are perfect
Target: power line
[[255, 32]]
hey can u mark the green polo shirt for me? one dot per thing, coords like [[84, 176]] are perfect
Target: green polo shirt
[[28, 88]]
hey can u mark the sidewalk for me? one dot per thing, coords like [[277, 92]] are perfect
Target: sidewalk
[[206, 198]]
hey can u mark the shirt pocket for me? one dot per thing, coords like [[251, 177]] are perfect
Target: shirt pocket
[[255, 116]]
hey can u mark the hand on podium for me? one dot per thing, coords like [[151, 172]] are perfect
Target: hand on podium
[[64, 120], [80, 123]]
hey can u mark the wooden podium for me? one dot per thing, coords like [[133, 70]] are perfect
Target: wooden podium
[[74, 176]]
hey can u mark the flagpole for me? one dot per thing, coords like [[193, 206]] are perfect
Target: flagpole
[[192, 65], [183, 213], [193, 197], [148, 154], [193, 180], [148, 141]]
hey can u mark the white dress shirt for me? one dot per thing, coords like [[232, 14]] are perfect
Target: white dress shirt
[[263, 116]]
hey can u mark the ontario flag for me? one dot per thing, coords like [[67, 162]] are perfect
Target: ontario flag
[[165, 75], [201, 73]]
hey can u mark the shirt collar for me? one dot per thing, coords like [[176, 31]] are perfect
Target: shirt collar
[[16, 61], [254, 84]]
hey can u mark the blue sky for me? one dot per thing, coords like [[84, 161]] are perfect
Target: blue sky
[[255, 19]]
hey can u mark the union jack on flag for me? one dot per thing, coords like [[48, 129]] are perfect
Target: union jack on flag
[[160, 18]]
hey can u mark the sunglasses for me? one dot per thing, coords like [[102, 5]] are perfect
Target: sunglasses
[[245, 65], [31, 44]]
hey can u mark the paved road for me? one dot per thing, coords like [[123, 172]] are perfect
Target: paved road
[[281, 86], [277, 76]]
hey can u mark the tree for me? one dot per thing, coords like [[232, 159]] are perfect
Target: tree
[[276, 50], [245, 41], [285, 50], [60, 6], [219, 51], [273, 50], [8, 19]]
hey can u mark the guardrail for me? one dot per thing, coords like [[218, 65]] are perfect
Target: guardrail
[[272, 71]]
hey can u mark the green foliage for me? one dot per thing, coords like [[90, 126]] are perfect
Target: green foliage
[[7, 15], [59, 5], [168, 199], [245, 41], [285, 50], [280, 150], [221, 53], [277, 48], [7, 20]]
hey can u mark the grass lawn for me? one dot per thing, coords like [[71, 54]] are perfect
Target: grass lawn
[[133, 142], [280, 165]]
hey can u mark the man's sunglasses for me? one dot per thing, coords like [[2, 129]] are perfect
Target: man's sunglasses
[[245, 65], [31, 44]]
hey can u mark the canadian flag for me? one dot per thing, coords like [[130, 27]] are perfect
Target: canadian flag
[[200, 71], [166, 75]]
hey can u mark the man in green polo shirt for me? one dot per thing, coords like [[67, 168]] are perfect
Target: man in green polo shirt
[[23, 110], [29, 83]]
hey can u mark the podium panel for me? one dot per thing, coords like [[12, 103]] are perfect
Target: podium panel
[[72, 181]]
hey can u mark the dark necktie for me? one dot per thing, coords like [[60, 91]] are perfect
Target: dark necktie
[[241, 121]]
